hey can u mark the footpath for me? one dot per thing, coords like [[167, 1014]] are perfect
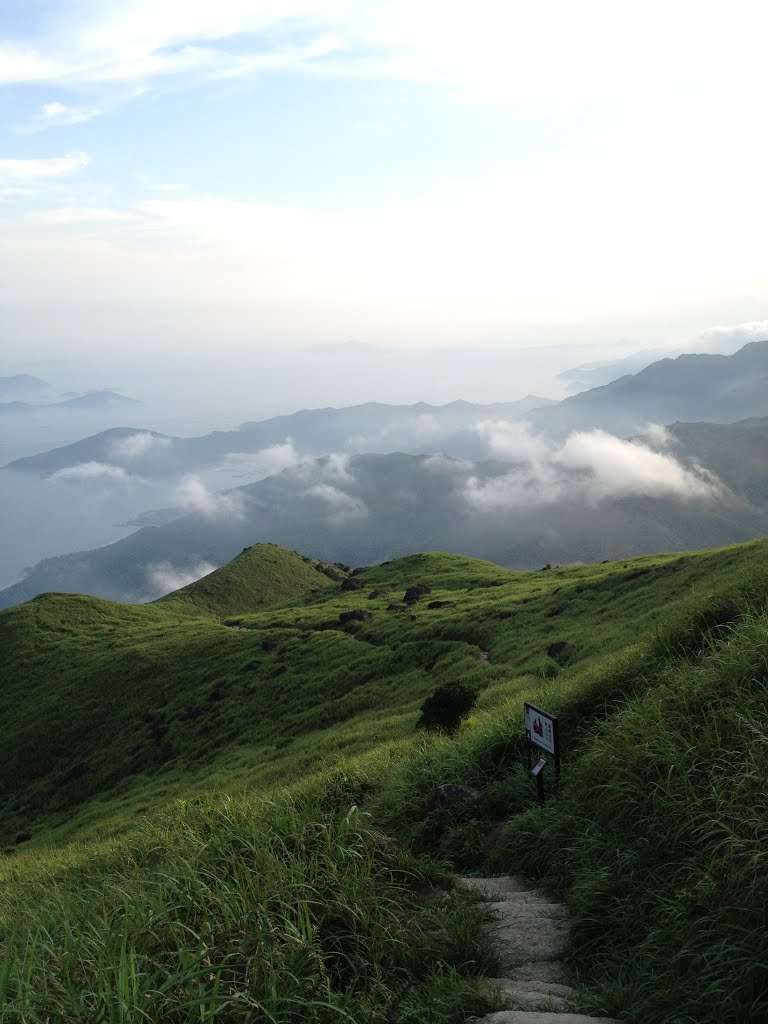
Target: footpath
[[531, 937]]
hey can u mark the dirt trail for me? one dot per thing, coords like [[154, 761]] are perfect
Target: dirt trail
[[531, 936]]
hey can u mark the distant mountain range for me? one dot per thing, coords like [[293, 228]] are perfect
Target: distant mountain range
[[372, 427], [716, 388], [21, 384], [690, 388], [90, 400], [586, 500], [521, 483]]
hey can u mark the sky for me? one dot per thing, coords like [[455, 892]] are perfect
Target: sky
[[240, 175]]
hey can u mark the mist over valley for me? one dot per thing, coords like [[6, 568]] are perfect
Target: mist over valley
[[522, 483]]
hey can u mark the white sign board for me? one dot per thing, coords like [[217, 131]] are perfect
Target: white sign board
[[541, 728]]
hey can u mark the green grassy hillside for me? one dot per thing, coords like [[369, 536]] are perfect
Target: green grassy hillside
[[260, 576], [272, 725], [128, 703]]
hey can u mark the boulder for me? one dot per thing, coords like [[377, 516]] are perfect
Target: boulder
[[452, 793], [557, 649], [351, 584], [355, 615]]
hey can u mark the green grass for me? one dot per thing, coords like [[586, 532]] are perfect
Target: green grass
[[245, 911], [112, 708], [177, 791]]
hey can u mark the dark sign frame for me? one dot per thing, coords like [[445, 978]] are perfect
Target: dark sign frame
[[553, 749]]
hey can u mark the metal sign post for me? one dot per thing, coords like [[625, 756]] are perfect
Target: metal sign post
[[542, 734]]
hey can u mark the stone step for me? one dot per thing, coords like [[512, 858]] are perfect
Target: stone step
[[531, 934], [540, 1017], [527, 999], [540, 986], [537, 974], [495, 888]]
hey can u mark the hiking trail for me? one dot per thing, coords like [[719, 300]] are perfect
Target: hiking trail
[[531, 936]]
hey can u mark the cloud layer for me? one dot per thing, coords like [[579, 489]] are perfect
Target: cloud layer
[[192, 496], [134, 446], [163, 577], [588, 467], [93, 471]]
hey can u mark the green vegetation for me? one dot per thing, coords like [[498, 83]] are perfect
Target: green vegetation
[[179, 796], [260, 576]]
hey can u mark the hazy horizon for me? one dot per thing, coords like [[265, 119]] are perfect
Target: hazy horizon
[[236, 211], [214, 178]]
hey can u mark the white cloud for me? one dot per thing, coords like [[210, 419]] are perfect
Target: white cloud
[[192, 496], [58, 115], [267, 462], [340, 507], [19, 64], [135, 445], [163, 577], [512, 439], [27, 172], [729, 339], [657, 435], [501, 52], [618, 468], [93, 471], [589, 467]]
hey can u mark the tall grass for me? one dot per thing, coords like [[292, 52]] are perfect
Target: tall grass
[[236, 910], [660, 843]]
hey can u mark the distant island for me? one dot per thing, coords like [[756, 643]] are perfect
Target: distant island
[[21, 384], [89, 400]]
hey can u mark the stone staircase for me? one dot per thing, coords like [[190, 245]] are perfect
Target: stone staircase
[[531, 936]]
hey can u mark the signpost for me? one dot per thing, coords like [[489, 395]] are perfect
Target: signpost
[[541, 731]]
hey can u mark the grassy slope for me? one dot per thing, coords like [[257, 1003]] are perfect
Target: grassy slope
[[662, 697], [260, 576], [129, 703]]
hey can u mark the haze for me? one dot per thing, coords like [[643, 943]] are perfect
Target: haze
[[239, 210], [239, 174]]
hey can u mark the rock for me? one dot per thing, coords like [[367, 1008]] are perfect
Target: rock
[[415, 592], [355, 615], [558, 649], [270, 644], [439, 604], [75, 773], [397, 608], [351, 584], [452, 793], [219, 692], [379, 592]]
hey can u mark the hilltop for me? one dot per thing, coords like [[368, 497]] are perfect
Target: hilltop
[[260, 576]]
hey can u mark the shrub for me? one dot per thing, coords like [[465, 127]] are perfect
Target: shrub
[[444, 710]]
